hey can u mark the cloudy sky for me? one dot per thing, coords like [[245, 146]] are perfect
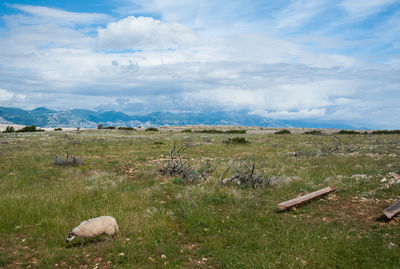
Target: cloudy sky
[[329, 60]]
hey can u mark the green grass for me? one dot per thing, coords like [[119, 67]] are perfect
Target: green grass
[[204, 224], [236, 140]]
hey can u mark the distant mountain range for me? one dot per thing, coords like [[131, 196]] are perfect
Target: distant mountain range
[[82, 118]]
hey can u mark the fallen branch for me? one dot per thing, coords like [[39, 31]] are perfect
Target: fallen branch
[[392, 210], [305, 198]]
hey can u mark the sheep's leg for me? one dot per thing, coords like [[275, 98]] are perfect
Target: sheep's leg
[[97, 241], [83, 242]]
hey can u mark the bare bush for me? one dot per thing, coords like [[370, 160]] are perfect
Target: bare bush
[[68, 161], [243, 173], [178, 166], [334, 147]]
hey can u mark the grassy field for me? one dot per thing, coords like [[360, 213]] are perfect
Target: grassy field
[[165, 223]]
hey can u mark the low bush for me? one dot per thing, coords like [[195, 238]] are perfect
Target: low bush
[[31, 128], [348, 132], [58, 129], [210, 131], [152, 129], [179, 167], [127, 128], [68, 161], [284, 131], [187, 131], [313, 132], [214, 131], [236, 140], [109, 127], [243, 173], [236, 132], [379, 132], [100, 126]]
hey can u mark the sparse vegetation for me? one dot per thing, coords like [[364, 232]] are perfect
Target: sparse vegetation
[[187, 131], [284, 131], [214, 131], [206, 223], [236, 140]]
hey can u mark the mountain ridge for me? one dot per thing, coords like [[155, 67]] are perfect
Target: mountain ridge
[[84, 118]]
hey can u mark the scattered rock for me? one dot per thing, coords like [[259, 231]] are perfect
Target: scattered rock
[[392, 245]]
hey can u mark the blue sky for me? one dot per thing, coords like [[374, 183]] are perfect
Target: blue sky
[[325, 60]]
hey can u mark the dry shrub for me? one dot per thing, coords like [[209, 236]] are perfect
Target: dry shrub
[[243, 173], [178, 166], [68, 161]]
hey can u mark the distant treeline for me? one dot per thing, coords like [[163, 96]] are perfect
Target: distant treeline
[[214, 131], [26, 129]]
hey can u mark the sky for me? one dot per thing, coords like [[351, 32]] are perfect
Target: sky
[[323, 60]]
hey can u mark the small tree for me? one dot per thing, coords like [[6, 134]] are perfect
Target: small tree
[[9, 129], [100, 126]]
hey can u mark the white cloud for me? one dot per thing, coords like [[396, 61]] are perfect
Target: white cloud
[[278, 99], [58, 16], [6, 96], [144, 33], [362, 8], [315, 113], [299, 12]]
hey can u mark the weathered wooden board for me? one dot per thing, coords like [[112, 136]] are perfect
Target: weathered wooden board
[[392, 210], [302, 199]]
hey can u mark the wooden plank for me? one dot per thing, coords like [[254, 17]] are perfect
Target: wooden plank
[[392, 210], [302, 199]]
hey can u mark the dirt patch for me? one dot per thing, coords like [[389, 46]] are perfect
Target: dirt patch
[[127, 169], [356, 209]]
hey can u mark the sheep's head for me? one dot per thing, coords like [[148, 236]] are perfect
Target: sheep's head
[[71, 236]]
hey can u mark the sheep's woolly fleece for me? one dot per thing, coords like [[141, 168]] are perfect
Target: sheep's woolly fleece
[[97, 226]]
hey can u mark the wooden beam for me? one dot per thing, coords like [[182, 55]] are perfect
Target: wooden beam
[[302, 199], [392, 210]]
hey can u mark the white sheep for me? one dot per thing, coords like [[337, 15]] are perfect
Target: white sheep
[[94, 227]]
